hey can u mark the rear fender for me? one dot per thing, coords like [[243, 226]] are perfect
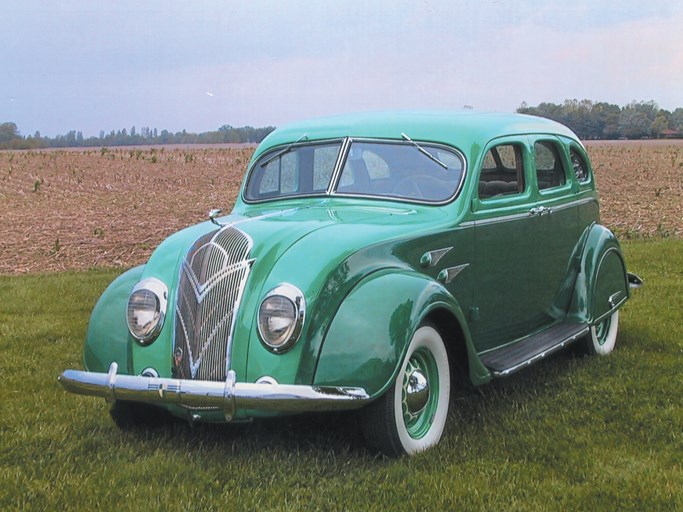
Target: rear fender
[[370, 333], [602, 283]]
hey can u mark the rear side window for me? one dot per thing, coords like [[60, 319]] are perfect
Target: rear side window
[[502, 172], [579, 165], [550, 172]]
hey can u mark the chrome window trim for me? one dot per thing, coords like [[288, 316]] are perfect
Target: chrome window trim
[[504, 218], [576, 202], [339, 165], [525, 215]]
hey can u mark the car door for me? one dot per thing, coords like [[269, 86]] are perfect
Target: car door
[[556, 207], [508, 236]]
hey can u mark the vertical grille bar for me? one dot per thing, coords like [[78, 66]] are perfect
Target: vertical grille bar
[[212, 279]]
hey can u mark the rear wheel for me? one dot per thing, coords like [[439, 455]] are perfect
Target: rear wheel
[[603, 336], [410, 417]]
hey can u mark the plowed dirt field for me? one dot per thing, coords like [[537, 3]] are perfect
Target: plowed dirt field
[[77, 209]]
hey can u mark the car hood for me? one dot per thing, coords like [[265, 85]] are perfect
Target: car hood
[[323, 230], [333, 229]]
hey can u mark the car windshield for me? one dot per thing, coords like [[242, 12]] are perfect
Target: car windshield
[[370, 168], [297, 170]]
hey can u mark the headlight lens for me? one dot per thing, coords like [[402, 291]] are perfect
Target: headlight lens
[[146, 310], [281, 317]]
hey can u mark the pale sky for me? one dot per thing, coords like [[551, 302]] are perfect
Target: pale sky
[[93, 65]]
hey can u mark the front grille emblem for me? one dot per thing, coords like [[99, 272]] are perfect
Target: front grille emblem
[[178, 356]]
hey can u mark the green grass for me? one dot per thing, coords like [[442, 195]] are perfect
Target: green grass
[[567, 434]]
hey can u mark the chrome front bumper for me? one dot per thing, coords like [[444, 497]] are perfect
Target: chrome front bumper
[[228, 395]]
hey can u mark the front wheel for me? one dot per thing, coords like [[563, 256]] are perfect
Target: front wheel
[[410, 417], [603, 336]]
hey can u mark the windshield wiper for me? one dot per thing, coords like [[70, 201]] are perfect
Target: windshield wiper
[[424, 151], [284, 150]]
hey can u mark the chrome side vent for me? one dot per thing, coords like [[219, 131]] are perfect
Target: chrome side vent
[[212, 279]]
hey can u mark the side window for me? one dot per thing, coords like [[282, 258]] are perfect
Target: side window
[[502, 172], [280, 175], [579, 165], [549, 169]]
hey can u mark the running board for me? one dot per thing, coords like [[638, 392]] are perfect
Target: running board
[[515, 356]]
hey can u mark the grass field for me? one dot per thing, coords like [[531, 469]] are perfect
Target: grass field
[[567, 434]]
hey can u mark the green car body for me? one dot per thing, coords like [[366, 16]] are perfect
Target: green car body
[[363, 229]]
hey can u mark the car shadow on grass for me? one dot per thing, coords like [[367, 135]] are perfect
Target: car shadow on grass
[[340, 432]]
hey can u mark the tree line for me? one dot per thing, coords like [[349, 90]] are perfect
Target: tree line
[[11, 138], [587, 118], [601, 120]]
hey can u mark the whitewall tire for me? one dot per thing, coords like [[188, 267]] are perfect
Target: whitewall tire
[[603, 336], [410, 417]]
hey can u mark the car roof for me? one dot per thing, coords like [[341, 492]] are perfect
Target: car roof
[[458, 128]]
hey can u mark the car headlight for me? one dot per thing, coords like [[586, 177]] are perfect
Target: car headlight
[[281, 317], [146, 310]]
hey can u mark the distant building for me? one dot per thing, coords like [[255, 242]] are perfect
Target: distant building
[[670, 134]]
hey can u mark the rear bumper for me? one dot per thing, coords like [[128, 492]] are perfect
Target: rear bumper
[[634, 281], [228, 396]]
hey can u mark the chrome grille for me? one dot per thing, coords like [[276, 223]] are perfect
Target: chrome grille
[[212, 280]]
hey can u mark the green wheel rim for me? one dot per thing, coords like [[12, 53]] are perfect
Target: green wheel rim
[[418, 424]]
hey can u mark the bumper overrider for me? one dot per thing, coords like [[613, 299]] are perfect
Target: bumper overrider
[[228, 395]]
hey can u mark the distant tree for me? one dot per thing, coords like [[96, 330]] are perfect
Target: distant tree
[[607, 115], [676, 119], [597, 120], [660, 124], [633, 123], [8, 132]]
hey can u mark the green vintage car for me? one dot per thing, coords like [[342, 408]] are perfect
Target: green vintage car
[[368, 258]]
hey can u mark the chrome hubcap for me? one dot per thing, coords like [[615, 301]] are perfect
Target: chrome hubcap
[[417, 391]]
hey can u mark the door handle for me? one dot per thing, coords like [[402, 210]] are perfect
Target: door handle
[[540, 210]]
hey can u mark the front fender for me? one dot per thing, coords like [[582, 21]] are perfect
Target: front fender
[[371, 331], [107, 339], [602, 283]]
